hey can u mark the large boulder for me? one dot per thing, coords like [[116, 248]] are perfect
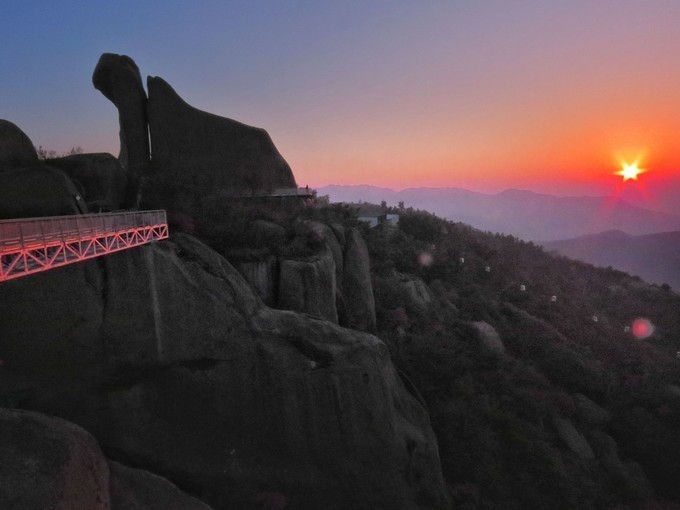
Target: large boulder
[[118, 78], [197, 154], [16, 149], [166, 355], [50, 463], [572, 438], [100, 176], [38, 190], [356, 283], [489, 337]]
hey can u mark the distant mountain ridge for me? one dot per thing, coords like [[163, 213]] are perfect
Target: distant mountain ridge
[[654, 257], [521, 213]]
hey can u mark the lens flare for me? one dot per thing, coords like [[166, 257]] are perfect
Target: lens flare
[[642, 328], [425, 259]]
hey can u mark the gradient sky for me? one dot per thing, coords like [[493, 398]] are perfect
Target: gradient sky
[[536, 94]]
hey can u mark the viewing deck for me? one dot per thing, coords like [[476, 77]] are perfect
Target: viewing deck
[[31, 245], [305, 192]]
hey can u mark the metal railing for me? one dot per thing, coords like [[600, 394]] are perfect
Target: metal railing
[[30, 245]]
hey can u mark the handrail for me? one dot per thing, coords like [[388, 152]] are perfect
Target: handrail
[[29, 245], [26, 232]]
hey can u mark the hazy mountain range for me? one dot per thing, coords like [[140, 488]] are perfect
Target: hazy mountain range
[[654, 257], [524, 214]]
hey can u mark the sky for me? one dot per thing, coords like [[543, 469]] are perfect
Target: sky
[[546, 95]]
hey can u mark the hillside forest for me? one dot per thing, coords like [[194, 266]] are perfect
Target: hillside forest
[[542, 389]]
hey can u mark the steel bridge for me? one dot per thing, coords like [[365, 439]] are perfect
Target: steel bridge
[[31, 245]]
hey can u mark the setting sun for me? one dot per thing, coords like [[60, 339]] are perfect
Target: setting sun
[[630, 171]]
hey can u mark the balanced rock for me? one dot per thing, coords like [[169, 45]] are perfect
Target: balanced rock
[[196, 154], [118, 78]]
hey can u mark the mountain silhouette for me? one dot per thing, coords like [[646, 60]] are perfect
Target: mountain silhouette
[[654, 257], [521, 213]]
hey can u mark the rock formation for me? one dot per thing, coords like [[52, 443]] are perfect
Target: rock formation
[[169, 359], [356, 283], [102, 180], [38, 190], [16, 149], [197, 153], [573, 438], [49, 463], [306, 272], [136, 489], [118, 78], [309, 286], [489, 337]]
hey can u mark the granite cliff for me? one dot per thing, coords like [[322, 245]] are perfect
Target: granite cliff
[[168, 358], [168, 361]]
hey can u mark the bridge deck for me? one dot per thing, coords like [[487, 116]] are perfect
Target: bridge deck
[[31, 245]]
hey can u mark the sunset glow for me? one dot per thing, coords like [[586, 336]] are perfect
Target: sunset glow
[[483, 96]]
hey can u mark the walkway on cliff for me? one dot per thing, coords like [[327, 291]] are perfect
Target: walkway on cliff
[[31, 245]]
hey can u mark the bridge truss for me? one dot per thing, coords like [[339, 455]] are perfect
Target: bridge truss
[[32, 245]]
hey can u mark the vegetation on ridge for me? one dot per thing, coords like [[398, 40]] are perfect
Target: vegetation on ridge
[[498, 415]]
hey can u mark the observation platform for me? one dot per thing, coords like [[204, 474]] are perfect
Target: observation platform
[[32, 245]]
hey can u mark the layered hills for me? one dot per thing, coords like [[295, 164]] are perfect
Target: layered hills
[[524, 214], [654, 257]]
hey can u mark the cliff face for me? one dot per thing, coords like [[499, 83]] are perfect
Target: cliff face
[[50, 463], [170, 360], [317, 271]]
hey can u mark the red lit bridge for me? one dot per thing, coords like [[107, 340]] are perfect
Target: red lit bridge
[[31, 245]]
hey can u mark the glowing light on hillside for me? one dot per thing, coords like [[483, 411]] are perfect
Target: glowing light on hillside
[[642, 328], [630, 171]]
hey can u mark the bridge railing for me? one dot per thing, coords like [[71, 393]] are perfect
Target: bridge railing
[[32, 232]]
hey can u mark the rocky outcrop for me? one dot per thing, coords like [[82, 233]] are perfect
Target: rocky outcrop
[[49, 463], [100, 177], [196, 153], [309, 286], [136, 489], [489, 337], [29, 187], [356, 283], [118, 78], [572, 438], [589, 412], [38, 190], [262, 274], [168, 358], [16, 149], [265, 234]]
